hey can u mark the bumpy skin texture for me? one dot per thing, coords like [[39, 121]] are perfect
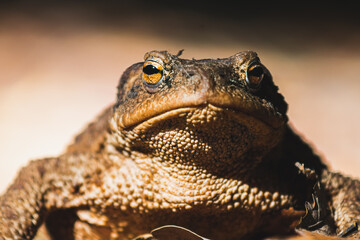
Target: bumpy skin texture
[[202, 144]]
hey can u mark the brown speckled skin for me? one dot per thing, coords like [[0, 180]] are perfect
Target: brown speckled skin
[[201, 149]]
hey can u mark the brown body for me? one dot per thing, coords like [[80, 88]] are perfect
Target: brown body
[[202, 144]]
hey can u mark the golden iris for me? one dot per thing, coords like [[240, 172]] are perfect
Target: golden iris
[[153, 72], [254, 75]]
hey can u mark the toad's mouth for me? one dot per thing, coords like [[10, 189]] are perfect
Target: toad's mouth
[[171, 104]]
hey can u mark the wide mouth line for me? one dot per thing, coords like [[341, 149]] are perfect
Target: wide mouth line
[[242, 103], [191, 106]]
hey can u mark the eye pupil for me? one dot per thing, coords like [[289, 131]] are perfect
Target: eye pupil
[[254, 76], [150, 69], [153, 72], [256, 71]]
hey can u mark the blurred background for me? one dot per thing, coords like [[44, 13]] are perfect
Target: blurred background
[[60, 63]]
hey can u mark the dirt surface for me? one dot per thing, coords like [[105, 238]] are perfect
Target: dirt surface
[[60, 66]]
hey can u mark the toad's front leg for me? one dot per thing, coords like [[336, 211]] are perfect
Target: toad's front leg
[[22, 207], [42, 187], [345, 199]]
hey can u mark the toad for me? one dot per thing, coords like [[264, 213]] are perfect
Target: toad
[[200, 144]]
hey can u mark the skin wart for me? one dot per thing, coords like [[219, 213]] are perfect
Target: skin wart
[[202, 144]]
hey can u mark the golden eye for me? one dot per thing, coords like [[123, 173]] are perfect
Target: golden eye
[[153, 72], [254, 75]]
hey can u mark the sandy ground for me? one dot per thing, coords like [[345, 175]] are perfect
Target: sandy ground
[[54, 78]]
